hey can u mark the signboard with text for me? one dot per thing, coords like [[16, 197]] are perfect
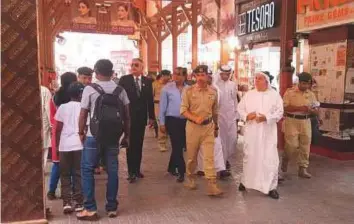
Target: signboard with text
[[114, 17], [317, 14], [259, 21]]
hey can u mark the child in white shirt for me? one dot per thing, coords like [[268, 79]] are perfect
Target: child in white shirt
[[70, 148]]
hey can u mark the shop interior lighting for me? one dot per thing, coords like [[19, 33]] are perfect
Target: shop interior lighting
[[234, 43]]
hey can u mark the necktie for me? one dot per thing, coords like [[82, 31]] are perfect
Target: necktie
[[137, 86]]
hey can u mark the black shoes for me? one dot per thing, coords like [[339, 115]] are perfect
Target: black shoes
[[241, 187], [131, 178], [273, 194], [180, 178], [51, 196], [224, 174], [200, 173], [173, 173]]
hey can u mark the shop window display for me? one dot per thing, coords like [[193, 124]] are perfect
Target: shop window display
[[333, 75], [260, 59]]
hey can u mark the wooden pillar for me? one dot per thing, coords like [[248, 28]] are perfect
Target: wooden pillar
[[22, 177], [159, 48], [237, 53], [288, 21], [306, 55], [194, 34], [174, 37], [152, 46], [224, 52]]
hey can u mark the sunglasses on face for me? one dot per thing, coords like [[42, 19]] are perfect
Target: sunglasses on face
[[135, 65]]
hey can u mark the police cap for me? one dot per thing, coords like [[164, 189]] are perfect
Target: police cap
[[305, 77], [201, 69]]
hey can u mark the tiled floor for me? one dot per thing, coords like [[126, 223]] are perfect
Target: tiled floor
[[327, 198]]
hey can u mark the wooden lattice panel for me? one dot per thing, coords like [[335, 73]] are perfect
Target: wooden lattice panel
[[21, 147]]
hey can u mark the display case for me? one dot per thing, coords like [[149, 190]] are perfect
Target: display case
[[332, 67]]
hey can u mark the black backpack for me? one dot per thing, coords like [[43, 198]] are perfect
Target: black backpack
[[106, 123]]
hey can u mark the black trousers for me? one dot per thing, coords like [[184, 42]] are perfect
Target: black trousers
[[176, 129], [70, 177], [135, 150]]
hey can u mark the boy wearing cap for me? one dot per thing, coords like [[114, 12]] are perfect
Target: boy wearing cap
[[200, 107], [300, 105], [165, 76], [85, 75], [70, 147]]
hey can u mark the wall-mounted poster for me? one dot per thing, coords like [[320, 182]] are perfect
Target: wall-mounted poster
[[115, 17], [327, 66], [330, 120], [227, 19], [121, 62], [210, 19]]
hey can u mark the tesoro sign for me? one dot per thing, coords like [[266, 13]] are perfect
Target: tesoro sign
[[261, 18], [258, 21]]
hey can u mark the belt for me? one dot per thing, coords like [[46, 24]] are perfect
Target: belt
[[156, 101], [298, 116], [205, 122]]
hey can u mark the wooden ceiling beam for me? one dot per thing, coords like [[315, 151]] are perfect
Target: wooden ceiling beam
[[186, 14]]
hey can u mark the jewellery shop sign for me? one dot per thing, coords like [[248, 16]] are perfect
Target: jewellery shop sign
[[259, 21]]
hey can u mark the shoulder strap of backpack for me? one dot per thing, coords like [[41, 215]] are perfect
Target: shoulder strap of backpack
[[98, 88], [117, 90]]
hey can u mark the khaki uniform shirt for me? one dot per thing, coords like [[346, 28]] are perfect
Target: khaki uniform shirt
[[157, 87], [200, 101], [294, 97]]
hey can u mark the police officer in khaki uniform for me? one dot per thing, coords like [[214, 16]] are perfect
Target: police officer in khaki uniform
[[300, 105], [199, 106], [165, 76]]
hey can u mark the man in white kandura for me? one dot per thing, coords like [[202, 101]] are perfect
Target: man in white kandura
[[261, 108], [227, 114]]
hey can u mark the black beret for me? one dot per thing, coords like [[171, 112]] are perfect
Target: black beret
[[305, 77], [165, 73], [201, 69]]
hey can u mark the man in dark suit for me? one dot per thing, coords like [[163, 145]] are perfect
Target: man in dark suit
[[139, 90]]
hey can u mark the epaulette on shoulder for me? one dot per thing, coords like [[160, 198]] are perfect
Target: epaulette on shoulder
[[213, 89]]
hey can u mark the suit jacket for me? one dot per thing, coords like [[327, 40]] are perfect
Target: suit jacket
[[141, 108]]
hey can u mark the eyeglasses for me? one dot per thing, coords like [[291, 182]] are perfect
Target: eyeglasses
[[135, 65]]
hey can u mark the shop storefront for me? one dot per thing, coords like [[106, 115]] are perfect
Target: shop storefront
[[330, 32], [258, 30]]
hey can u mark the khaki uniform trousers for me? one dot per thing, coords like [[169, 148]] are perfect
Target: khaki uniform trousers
[[162, 137], [200, 137], [297, 135]]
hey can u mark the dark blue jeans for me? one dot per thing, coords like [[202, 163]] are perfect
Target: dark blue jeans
[[89, 161], [54, 177]]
